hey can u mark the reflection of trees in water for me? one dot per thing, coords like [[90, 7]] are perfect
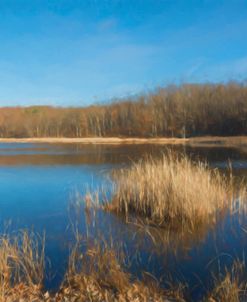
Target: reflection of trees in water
[[75, 154]]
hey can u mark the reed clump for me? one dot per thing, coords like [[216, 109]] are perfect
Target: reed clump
[[21, 268], [98, 275], [174, 191], [231, 286]]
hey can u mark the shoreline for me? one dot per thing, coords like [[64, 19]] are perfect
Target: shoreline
[[201, 141]]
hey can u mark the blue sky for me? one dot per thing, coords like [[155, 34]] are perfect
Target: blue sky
[[77, 52]]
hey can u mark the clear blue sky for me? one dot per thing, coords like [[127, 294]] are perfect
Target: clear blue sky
[[75, 52]]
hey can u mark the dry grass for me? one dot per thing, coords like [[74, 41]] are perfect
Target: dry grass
[[174, 190], [21, 268], [101, 273], [98, 275], [161, 240], [231, 287]]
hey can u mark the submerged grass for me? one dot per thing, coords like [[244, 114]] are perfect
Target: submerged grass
[[174, 191]]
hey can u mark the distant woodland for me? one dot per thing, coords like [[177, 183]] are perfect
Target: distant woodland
[[174, 111]]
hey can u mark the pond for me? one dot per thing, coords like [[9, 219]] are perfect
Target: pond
[[39, 182]]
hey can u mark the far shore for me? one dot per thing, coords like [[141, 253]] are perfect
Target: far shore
[[201, 141]]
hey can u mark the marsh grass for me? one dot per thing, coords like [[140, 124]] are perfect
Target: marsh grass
[[21, 267], [99, 275], [230, 286], [174, 191]]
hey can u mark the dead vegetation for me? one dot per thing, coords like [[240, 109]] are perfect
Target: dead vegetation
[[230, 286], [174, 191], [21, 268], [97, 275]]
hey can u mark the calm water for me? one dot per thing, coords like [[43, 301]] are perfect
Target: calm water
[[39, 181]]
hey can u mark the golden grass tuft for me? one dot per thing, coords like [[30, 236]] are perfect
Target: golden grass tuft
[[173, 190]]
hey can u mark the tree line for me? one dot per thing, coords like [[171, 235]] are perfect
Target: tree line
[[173, 111]]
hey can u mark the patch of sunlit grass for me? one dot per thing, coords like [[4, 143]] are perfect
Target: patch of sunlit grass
[[174, 190]]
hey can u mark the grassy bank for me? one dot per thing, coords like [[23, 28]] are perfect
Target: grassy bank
[[174, 191]]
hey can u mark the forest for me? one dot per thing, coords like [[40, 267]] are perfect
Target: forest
[[173, 111]]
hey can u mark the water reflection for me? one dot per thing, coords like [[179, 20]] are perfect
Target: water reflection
[[76, 154]]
